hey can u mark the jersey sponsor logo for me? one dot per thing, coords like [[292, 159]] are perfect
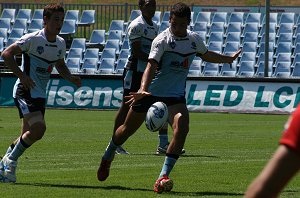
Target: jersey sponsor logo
[[40, 49]]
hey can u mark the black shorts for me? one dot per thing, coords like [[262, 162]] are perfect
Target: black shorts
[[132, 82], [26, 104], [144, 104]]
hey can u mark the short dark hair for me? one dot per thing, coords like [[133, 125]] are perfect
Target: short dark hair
[[51, 8], [141, 3], [181, 10]]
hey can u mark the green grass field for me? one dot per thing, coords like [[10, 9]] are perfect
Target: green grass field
[[224, 153]]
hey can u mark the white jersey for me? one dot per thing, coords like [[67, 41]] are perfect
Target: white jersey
[[140, 30], [174, 56], [39, 58]]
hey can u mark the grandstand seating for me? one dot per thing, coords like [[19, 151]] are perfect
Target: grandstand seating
[[223, 32]]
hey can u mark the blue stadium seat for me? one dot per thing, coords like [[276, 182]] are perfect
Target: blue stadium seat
[[79, 43], [35, 24], [272, 19], [115, 44], [195, 68], [89, 66], [91, 53], [38, 14], [217, 27], [296, 71], [219, 17], [285, 28], [250, 27], [253, 17], [286, 17], [234, 27], [72, 15], [87, 18], [115, 35], [231, 47], [215, 37], [75, 53], [233, 37], [97, 38], [228, 70], [210, 69], [236, 17], [134, 14], [4, 34], [215, 46], [164, 25], [108, 53], [20, 24], [203, 17], [5, 23], [116, 25], [250, 47], [120, 66], [246, 69], [260, 72], [9, 13], [106, 66], [282, 70], [24, 14], [73, 64], [68, 28], [16, 33]]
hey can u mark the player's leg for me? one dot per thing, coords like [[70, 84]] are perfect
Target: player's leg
[[179, 118], [284, 164], [163, 141], [119, 120]]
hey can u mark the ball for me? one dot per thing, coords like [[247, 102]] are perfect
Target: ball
[[157, 116]]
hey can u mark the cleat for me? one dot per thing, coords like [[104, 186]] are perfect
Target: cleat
[[163, 150], [103, 170], [9, 173], [163, 184], [121, 150]]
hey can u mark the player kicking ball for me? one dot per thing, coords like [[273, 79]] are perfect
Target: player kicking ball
[[164, 80]]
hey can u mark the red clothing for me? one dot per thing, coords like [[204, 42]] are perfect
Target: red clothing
[[291, 136]]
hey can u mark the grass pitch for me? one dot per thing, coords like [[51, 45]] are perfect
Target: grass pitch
[[224, 152]]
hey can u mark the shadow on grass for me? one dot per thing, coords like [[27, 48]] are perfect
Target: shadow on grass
[[192, 194]]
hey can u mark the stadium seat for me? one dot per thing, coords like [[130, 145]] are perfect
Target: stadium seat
[[87, 18], [166, 16], [228, 70], [296, 70], [253, 17], [97, 38], [210, 69], [195, 68], [91, 53], [236, 17], [120, 66], [115, 44], [272, 19], [5, 23], [285, 28], [283, 57], [68, 28], [164, 25], [108, 53], [286, 17], [35, 24], [219, 17], [4, 34], [250, 27], [272, 29], [250, 37], [116, 25], [9, 13], [261, 57], [231, 47], [215, 46], [124, 53], [106, 66], [272, 37], [125, 44], [233, 37], [16, 33], [203, 17], [234, 27], [283, 47], [285, 38], [297, 30], [134, 14], [115, 35], [261, 47], [75, 53], [200, 27], [260, 72], [203, 37], [73, 64], [24, 14], [250, 47], [246, 69], [248, 56], [79, 43], [38, 14], [72, 15], [296, 49], [20, 24], [1, 44], [296, 60], [217, 27], [215, 37], [89, 66], [282, 70]]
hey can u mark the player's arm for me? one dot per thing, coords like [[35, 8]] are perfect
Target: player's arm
[[214, 57], [65, 73], [8, 56]]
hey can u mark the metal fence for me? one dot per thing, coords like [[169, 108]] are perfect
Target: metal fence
[[104, 14]]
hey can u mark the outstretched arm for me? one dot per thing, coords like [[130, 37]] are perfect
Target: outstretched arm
[[65, 73], [214, 57]]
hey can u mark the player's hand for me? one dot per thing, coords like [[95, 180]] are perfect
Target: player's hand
[[233, 57], [135, 96], [27, 82], [76, 80]]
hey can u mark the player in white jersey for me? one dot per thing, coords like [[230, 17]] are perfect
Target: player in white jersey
[[164, 80], [141, 32], [41, 51]]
